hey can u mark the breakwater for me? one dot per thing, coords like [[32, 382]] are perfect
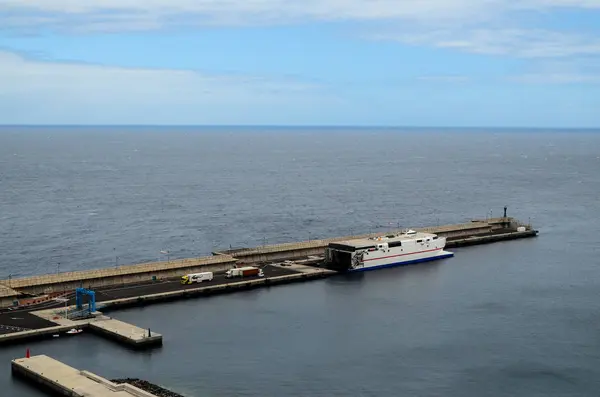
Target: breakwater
[[147, 387], [43, 288]]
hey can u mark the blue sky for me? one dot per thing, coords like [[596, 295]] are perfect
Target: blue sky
[[530, 63]]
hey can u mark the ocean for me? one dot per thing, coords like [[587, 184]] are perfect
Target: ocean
[[517, 318]]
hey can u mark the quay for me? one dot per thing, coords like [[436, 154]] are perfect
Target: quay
[[44, 305], [54, 323], [24, 325], [39, 290], [126, 333], [59, 378], [171, 290]]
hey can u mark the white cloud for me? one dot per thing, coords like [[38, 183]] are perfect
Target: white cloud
[[531, 43], [464, 25], [561, 3], [42, 90], [567, 71], [256, 10], [153, 14], [554, 78], [445, 78]]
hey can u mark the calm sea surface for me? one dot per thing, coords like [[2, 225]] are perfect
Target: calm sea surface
[[519, 318]]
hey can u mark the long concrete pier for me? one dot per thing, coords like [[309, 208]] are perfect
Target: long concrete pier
[[55, 376], [40, 289], [46, 318]]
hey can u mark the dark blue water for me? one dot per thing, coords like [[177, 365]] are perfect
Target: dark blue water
[[510, 319]]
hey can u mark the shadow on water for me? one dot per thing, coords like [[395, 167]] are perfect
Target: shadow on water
[[359, 278], [343, 279]]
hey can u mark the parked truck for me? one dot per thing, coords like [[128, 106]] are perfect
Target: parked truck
[[196, 277], [248, 271]]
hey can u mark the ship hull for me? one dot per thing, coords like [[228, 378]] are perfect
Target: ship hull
[[410, 260]]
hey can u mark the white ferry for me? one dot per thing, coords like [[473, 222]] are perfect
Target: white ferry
[[385, 251]]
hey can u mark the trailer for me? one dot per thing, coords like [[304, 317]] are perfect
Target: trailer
[[248, 271], [196, 277]]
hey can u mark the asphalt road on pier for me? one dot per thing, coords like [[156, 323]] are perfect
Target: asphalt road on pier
[[168, 285], [21, 319]]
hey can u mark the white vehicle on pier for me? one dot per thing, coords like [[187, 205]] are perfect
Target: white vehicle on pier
[[385, 251]]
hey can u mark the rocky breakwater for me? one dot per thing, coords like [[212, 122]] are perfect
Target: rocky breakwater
[[148, 387]]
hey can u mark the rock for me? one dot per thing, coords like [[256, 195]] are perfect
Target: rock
[[147, 386]]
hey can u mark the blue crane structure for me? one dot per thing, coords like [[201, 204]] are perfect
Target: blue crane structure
[[79, 293]]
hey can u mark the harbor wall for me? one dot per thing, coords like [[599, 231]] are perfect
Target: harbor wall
[[501, 228], [297, 250], [52, 283], [219, 289]]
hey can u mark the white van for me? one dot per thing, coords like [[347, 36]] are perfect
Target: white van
[[196, 277]]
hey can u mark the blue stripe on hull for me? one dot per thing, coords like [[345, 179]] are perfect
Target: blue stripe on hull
[[432, 258]]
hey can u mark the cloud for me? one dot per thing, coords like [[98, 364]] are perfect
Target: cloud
[[51, 90], [555, 78], [155, 14], [488, 27], [532, 43], [445, 78], [566, 71], [249, 11]]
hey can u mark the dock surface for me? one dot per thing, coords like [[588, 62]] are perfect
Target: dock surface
[[52, 374], [124, 332]]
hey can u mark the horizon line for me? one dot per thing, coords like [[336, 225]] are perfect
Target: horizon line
[[293, 126]]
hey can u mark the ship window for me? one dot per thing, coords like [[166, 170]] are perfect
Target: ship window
[[419, 241], [395, 244], [435, 238]]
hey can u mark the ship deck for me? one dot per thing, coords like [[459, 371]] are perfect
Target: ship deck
[[366, 242]]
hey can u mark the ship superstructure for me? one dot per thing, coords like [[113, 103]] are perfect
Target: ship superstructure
[[385, 251]]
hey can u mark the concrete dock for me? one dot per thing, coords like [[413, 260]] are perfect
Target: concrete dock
[[44, 288], [62, 379], [100, 324], [125, 333], [40, 312]]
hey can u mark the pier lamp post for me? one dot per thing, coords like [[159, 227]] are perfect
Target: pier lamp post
[[9, 280], [168, 254]]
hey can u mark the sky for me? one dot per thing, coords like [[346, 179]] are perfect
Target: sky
[[496, 63]]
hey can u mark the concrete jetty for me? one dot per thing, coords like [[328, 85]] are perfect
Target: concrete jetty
[[295, 273], [21, 292], [125, 333], [98, 323], [62, 379]]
